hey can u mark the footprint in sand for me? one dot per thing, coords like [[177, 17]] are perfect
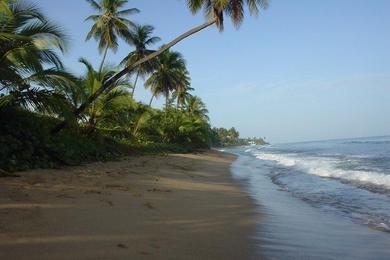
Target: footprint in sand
[[158, 190], [149, 205], [109, 202], [66, 196], [122, 246]]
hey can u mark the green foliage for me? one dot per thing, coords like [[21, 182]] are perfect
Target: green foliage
[[110, 23], [168, 74], [26, 143], [142, 38], [218, 9], [36, 92], [31, 71], [222, 137]]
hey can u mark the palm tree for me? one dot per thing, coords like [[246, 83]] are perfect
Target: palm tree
[[142, 39], [196, 107], [4, 9], [215, 10], [110, 24], [31, 71], [167, 75], [182, 89], [102, 109]]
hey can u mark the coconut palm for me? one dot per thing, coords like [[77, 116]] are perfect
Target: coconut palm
[[196, 107], [142, 39], [182, 89], [104, 108], [4, 9], [110, 24], [31, 72], [215, 10], [167, 75]]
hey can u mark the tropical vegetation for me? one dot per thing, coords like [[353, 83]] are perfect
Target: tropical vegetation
[[50, 116], [222, 137]]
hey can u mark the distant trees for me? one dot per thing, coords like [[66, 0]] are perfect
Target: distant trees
[[222, 137]]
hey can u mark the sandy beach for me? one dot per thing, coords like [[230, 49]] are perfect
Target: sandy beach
[[181, 206]]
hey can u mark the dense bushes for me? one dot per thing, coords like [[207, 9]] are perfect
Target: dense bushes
[[26, 142]]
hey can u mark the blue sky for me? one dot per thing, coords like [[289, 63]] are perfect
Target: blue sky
[[303, 70]]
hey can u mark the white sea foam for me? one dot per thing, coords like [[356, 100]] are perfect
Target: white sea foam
[[325, 167]]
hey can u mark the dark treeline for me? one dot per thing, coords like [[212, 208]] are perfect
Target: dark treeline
[[37, 93], [222, 137]]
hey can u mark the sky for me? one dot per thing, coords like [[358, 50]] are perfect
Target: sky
[[302, 70]]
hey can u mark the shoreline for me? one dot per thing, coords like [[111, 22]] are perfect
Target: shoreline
[[180, 206]]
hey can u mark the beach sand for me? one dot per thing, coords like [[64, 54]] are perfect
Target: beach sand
[[181, 206]]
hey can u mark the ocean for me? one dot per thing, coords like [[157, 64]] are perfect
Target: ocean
[[320, 200]]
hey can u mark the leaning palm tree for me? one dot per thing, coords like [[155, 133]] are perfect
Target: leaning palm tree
[[142, 39], [31, 72], [215, 10], [110, 24], [167, 75]]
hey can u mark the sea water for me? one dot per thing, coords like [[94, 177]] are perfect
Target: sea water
[[320, 200]]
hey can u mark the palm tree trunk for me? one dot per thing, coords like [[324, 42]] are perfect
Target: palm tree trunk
[[136, 127], [151, 100], [166, 101], [104, 59], [135, 84], [107, 84]]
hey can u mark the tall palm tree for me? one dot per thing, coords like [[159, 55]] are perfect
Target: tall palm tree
[[142, 39], [183, 88], [31, 71], [110, 24], [215, 10], [167, 75]]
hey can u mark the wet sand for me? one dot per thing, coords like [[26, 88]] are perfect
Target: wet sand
[[182, 206]]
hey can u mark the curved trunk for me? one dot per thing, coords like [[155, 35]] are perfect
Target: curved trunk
[[151, 100], [108, 84]]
